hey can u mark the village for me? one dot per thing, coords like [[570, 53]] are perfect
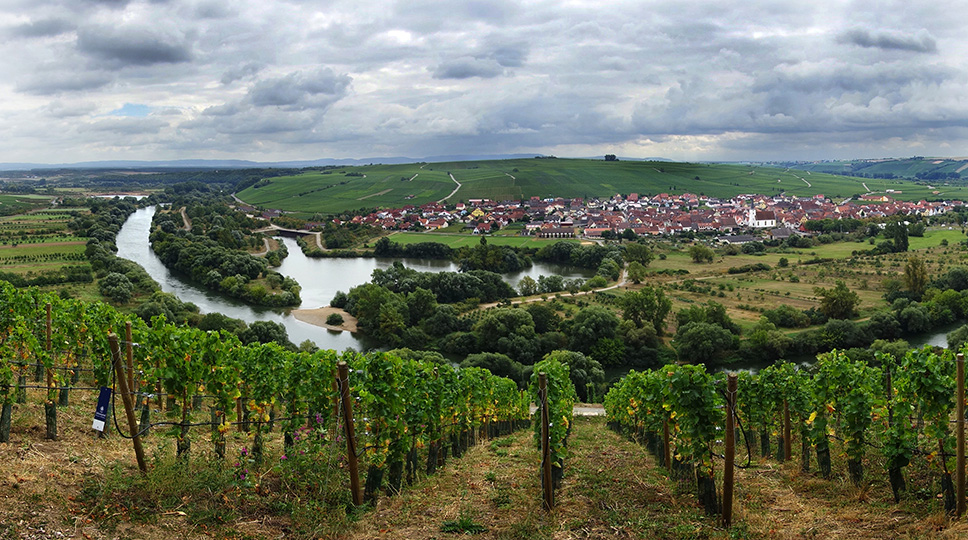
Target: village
[[778, 216]]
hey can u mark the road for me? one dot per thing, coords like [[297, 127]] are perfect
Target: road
[[452, 192]]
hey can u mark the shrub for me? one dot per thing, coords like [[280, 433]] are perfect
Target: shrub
[[334, 319]]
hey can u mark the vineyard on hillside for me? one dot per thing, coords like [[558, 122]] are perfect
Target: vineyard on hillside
[[896, 412], [195, 385]]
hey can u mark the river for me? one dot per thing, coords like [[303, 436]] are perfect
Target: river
[[320, 279]]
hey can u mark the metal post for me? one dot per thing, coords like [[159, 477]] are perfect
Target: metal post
[[960, 475], [122, 382], [344, 385], [549, 494], [730, 450]]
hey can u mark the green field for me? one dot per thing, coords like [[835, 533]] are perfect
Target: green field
[[389, 186], [469, 240]]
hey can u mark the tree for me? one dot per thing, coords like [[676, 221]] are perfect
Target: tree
[[498, 364], [646, 306], [701, 253], [639, 253], [590, 325], [527, 286], [839, 302], [916, 276], [629, 234], [265, 332], [611, 157], [957, 338], [117, 287], [897, 232], [583, 371], [636, 272], [703, 342], [609, 269]]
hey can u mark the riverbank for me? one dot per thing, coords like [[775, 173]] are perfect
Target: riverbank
[[318, 316]]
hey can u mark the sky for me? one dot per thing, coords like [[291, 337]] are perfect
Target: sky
[[267, 80]]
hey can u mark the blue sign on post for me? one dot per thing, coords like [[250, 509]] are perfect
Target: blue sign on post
[[101, 414]]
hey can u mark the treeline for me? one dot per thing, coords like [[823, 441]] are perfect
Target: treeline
[[405, 308], [67, 274], [119, 279], [500, 259]]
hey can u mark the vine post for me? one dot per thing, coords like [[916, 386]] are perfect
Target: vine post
[[666, 447], [730, 455], [960, 415], [129, 352], [347, 401], [549, 494], [787, 432], [126, 398], [50, 408]]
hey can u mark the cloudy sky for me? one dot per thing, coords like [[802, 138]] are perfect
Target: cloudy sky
[[305, 79]]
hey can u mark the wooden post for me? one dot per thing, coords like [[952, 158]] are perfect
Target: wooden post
[[122, 382], [731, 450], [549, 494], [347, 401], [787, 433], [129, 351], [960, 407], [50, 408], [666, 447]]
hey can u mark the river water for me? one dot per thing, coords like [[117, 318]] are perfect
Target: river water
[[320, 279]]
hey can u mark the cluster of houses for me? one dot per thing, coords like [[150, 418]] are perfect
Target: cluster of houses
[[662, 214]]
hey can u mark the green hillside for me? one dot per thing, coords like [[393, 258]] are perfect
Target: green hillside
[[926, 168], [385, 186]]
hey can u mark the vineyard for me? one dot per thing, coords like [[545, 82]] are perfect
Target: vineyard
[[324, 431], [900, 413], [396, 419]]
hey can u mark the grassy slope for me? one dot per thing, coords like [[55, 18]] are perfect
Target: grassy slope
[[498, 180]]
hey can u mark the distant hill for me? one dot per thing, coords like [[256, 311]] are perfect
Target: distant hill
[[922, 168], [244, 164], [396, 185]]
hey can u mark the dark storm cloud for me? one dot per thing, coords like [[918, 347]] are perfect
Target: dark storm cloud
[[133, 46], [467, 67], [922, 42], [48, 82], [42, 28], [241, 72], [300, 90]]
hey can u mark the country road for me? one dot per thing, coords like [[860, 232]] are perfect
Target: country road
[[452, 192]]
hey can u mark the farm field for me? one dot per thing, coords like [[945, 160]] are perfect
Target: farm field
[[39, 241], [396, 185]]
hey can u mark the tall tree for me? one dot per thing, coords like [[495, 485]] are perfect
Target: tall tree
[[916, 275], [897, 232]]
